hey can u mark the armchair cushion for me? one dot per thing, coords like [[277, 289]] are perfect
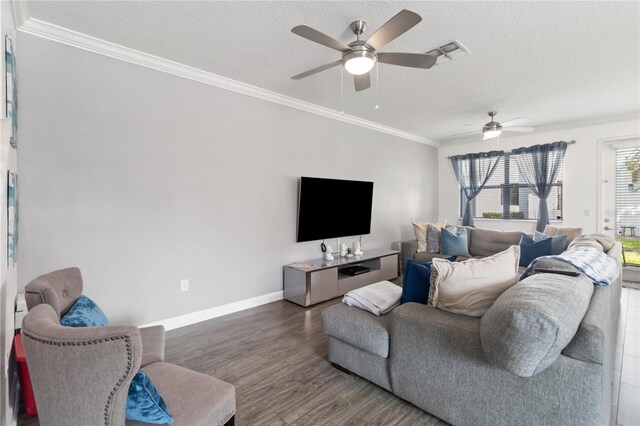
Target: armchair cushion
[[194, 398], [84, 313], [144, 402]]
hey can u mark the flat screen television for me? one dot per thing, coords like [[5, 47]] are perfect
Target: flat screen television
[[332, 208]]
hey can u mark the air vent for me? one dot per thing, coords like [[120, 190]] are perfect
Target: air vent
[[448, 52]]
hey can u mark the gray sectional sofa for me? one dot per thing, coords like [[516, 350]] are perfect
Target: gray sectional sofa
[[557, 371]]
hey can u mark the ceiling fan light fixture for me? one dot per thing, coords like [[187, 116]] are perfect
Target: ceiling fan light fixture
[[491, 133], [359, 62]]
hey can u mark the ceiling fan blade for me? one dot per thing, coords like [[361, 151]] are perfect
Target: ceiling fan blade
[[466, 133], [515, 121], [362, 81], [317, 70], [518, 129], [479, 126], [318, 37], [393, 28], [414, 60]]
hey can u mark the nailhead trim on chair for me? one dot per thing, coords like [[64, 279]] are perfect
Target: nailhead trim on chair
[[127, 340]]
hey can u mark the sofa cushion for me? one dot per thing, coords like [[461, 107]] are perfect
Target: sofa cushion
[[558, 242], [416, 281], [433, 238], [586, 241], [606, 241], [359, 328], [530, 324], [193, 398], [454, 243], [485, 242], [588, 344], [420, 229], [571, 233], [471, 287], [425, 257], [531, 250]]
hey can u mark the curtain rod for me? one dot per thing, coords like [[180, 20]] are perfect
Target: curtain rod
[[571, 142]]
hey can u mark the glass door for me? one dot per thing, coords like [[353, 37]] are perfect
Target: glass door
[[621, 196], [628, 203]]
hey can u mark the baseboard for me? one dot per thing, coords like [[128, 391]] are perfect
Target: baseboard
[[218, 311]]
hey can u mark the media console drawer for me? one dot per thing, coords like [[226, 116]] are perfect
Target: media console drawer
[[315, 281]]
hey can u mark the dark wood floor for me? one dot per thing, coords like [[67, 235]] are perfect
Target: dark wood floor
[[276, 356]]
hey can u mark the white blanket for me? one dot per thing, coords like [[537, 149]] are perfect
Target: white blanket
[[378, 298]]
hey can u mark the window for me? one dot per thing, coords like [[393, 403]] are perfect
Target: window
[[507, 196]]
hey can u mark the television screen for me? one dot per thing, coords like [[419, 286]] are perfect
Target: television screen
[[331, 208]]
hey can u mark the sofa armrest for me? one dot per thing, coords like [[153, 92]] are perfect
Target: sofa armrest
[[152, 345], [407, 250]]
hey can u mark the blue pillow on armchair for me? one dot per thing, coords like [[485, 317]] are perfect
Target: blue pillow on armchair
[[84, 313], [531, 250], [144, 402], [416, 281]]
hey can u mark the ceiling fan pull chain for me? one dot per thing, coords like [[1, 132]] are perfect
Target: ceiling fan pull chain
[[377, 86], [341, 90]]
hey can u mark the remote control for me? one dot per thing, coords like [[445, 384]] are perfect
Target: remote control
[[558, 271]]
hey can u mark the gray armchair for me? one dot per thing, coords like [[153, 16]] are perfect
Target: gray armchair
[[81, 376]]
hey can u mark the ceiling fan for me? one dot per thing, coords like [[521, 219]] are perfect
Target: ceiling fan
[[359, 56], [493, 128]]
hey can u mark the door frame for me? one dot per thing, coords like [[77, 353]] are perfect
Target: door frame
[[601, 144]]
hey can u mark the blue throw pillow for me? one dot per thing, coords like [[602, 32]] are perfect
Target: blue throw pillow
[[454, 244], [416, 281], [144, 402], [531, 250], [84, 313], [558, 242]]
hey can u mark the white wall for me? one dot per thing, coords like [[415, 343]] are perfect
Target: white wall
[[142, 179], [580, 173], [8, 278]]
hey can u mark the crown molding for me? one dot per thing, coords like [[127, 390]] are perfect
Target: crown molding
[[69, 37], [21, 12]]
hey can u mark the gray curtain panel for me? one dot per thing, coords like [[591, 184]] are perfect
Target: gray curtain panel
[[473, 172], [538, 167]]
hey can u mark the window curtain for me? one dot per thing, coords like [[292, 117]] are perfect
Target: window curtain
[[539, 166], [472, 172]]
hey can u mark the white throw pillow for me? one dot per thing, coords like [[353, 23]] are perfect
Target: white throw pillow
[[420, 229], [471, 287]]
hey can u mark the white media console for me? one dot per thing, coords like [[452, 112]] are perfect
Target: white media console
[[314, 281]]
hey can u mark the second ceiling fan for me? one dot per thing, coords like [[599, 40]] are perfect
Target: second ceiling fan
[[359, 56]]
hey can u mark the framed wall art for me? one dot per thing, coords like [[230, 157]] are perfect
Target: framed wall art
[[11, 90]]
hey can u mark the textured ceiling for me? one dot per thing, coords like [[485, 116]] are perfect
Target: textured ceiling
[[553, 62]]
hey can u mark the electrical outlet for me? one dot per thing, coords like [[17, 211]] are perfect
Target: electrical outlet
[[184, 285]]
